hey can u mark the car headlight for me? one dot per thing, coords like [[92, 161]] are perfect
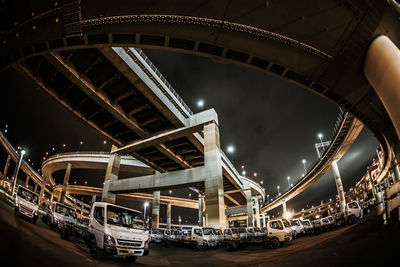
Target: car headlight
[[109, 240]]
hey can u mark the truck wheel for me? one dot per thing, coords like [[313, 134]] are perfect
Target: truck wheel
[[95, 252], [274, 243], [34, 219], [65, 233], [352, 220], [16, 211], [131, 258], [195, 245]]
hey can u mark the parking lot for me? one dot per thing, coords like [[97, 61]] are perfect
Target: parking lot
[[359, 245]]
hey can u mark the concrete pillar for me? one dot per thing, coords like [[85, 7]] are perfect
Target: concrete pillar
[[93, 199], [382, 70], [214, 187], [41, 194], [74, 203], [284, 210], [65, 182], [339, 186], [6, 167], [81, 210], [249, 200], [34, 190], [51, 197], [155, 216], [201, 210], [257, 209], [264, 224], [111, 175], [27, 181], [169, 216]]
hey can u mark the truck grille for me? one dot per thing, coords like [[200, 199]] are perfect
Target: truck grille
[[129, 243], [25, 210]]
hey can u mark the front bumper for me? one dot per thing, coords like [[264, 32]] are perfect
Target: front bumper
[[123, 251]]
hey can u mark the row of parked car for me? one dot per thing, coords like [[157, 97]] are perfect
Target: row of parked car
[[273, 234]]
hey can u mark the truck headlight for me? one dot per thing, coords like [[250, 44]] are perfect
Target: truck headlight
[[109, 240], [146, 244]]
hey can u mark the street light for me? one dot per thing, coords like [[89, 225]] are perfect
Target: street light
[[170, 192], [320, 135], [288, 179], [304, 165], [17, 170], [231, 150], [200, 104], [243, 173], [278, 189], [144, 213], [268, 198]]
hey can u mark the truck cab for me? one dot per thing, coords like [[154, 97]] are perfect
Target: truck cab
[[277, 233], [203, 237], [117, 231], [307, 225], [297, 227], [220, 236], [61, 215], [26, 203], [231, 234], [156, 236], [288, 226], [353, 211]]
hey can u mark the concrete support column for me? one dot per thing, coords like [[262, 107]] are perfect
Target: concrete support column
[[74, 203], [111, 175], [6, 167], [214, 187], [201, 210], [249, 200], [51, 197], [41, 194], [169, 216], [339, 186], [284, 209], [81, 210], [93, 199], [65, 182], [155, 216], [257, 209], [264, 224], [34, 190], [27, 181], [382, 70]]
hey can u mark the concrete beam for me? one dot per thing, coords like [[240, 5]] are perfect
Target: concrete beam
[[236, 210]]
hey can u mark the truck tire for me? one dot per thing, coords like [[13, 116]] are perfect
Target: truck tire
[[231, 246], [65, 233], [274, 243], [352, 220], [95, 252], [195, 245], [16, 211], [34, 219]]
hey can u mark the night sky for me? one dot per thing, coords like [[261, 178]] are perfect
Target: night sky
[[272, 124]]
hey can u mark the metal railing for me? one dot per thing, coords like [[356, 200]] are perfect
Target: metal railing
[[162, 78]]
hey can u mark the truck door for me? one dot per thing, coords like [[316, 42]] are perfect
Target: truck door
[[97, 225], [198, 236]]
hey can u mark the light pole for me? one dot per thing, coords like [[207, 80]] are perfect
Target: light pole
[[200, 104], [320, 135], [268, 198], [288, 179], [145, 205], [17, 170], [179, 220], [278, 189], [304, 165], [243, 173], [231, 150]]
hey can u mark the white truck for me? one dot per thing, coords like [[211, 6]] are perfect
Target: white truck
[[298, 228], [353, 211], [26, 203], [277, 233], [203, 237], [307, 225], [117, 231], [59, 216]]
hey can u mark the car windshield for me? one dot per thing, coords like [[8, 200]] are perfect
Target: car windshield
[[307, 223], [208, 231], [29, 196], [64, 210], [124, 217], [286, 223], [295, 222]]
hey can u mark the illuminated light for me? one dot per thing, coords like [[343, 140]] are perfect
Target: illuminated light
[[200, 103], [288, 215], [104, 142], [301, 218], [146, 204], [231, 149], [261, 182], [81, 142], [64, 145], [53, 149], [304, 161], [242, 166], [316, 216], [243, 172], [255, 174]]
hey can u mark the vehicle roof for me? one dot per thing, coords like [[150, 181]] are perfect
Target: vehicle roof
[[104, 204], [27, 189]]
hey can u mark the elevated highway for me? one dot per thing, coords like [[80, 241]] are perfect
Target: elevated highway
[[320, 46]]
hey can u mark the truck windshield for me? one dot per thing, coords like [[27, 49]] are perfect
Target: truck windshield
[[235, 231], [209, 231], [124, 217], [241, 230], [64, 210], [29, 196], [306, 223], [294, 222], [218, 231], [250, 230], [286, 223]]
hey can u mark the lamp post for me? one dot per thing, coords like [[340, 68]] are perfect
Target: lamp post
[[288, 179], [268, 198], [231, 150], [278, 189], [17, 170], [200, 104], [320, 135], [304, 165], [145, 205]]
